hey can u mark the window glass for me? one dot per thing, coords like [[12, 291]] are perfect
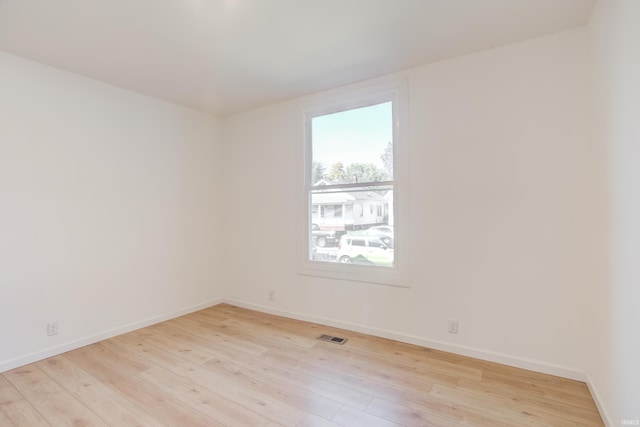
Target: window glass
[[357, 242], [351, 181], [376, 243]]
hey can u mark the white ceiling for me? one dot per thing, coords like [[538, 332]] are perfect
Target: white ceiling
[[227, 56]]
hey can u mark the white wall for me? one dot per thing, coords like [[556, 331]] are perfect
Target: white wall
[[109, 209], [614, 363], [502, 157]]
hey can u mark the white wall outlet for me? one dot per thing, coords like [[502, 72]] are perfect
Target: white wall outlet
[[52, 328], [272, 295], [453, 326]]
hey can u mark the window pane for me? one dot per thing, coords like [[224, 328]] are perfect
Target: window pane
[[368, 232], [376, 243], [353, 146]]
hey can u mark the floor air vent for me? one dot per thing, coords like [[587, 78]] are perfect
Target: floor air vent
[[330, 338]]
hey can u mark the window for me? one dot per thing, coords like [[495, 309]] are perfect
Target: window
[[376, 243], [352, 171], [352, 159]]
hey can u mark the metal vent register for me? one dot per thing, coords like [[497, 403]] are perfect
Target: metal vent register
[[331, 338]]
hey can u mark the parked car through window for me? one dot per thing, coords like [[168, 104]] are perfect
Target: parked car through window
[[364, 249]]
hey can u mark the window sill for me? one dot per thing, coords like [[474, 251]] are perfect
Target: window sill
[[355, 273]]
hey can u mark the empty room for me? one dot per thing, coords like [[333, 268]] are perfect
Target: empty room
[[300, 213]]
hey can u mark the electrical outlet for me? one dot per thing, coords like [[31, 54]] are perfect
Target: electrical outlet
[[272, 295], [453, 326], [52, 328]]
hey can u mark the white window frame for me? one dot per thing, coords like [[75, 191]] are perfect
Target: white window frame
[[343, 100]]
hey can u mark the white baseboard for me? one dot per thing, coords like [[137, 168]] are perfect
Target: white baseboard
[[504, 359], [72, 345], [599, 402]]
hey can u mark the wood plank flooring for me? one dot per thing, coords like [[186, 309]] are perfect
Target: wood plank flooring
[[228, 366]]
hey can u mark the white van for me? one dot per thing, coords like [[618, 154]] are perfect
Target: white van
[[364, 249]]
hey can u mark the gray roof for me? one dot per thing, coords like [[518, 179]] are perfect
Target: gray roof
[[346, 197]]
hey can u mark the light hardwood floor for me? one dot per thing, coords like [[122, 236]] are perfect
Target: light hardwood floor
[[228, 366]]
